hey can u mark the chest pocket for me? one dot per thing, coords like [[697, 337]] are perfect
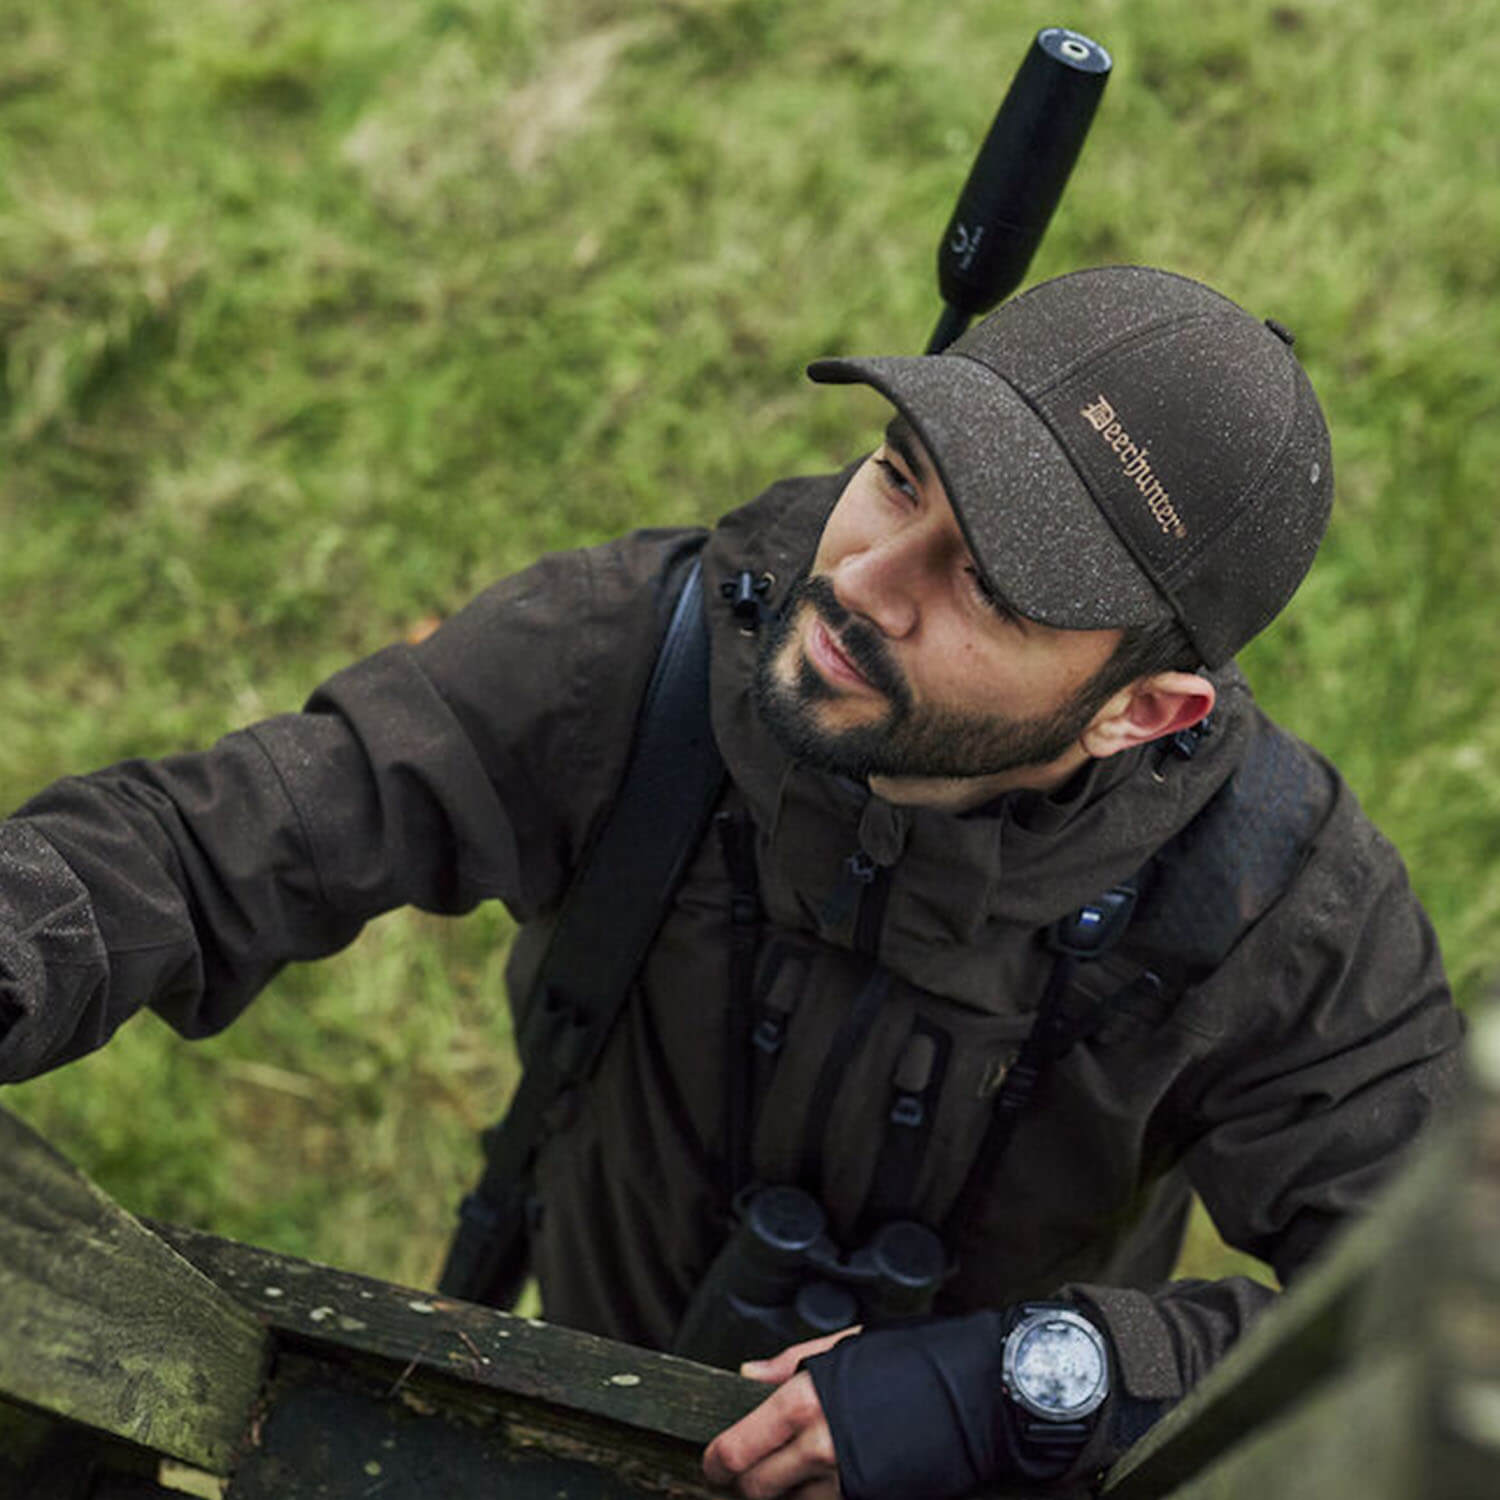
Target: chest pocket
[[870, 1093]]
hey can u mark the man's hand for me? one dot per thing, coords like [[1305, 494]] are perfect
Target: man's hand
[[784, 1446]]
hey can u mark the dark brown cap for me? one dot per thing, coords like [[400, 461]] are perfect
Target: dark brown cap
[[1122, 446]]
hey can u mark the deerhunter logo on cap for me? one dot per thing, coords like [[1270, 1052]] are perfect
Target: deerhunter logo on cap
[[1135, 465]]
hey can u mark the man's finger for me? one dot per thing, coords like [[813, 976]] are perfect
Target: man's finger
[[807, 1464], [775, 1422], [784, 1442], [783, 1366]]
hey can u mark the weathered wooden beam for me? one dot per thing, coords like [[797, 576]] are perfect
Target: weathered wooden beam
[[570, 1379], [105, 1326], [333, 1431], [1414, 1288], [1462, 1319], [1359, 1294], [45, 1458], [544, 1410], [1357, 1437]]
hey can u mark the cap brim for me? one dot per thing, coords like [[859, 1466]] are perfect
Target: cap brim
[[1038, 537]]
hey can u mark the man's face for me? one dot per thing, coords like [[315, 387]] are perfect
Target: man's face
[[892, 658]]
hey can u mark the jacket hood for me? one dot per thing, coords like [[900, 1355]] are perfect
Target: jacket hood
[[959, 883]]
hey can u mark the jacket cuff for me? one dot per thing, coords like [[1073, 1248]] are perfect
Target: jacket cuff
[[53, 967], [1145, 1354]]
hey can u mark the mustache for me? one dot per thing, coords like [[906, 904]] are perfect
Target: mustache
[[858, 641]]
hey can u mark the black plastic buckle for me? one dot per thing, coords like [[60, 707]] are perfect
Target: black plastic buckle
[[1097, 925], [1186, 742], [769, 1034], [746, 595], [908, 1110]]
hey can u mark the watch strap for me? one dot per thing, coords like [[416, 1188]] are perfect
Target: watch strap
[[1042, 1449]]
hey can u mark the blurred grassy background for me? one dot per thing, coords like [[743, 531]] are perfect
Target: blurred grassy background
[[317, 318]]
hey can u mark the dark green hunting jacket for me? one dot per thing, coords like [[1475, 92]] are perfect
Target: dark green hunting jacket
[[1283, 1084]]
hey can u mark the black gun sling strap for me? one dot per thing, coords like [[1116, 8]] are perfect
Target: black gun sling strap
[[605, 925]]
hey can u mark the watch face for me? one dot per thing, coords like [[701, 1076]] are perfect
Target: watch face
[[1056, 1367]]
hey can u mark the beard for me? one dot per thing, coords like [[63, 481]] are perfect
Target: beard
[[909, 740]]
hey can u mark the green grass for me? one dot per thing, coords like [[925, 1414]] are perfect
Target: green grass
[[315, 319]]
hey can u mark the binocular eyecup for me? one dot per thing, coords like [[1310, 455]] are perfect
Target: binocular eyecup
[[781, 1279]]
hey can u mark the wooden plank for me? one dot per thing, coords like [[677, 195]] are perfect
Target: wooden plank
[[538, 1410], [337, 1433], [45, 1458], [1359, 1436], [1361, 1294], [1463, 1322], [105, 1326], [338, 1314]]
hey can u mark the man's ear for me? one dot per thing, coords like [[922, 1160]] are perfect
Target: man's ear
[[1147, 709]]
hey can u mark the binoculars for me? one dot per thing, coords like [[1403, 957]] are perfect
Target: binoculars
[[780, 1279]]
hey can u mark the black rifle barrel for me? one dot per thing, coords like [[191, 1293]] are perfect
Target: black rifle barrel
[[1018, 176]]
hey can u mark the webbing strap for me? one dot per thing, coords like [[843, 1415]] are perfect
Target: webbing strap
[[607, 921], [1064, 1018], [737, 840]]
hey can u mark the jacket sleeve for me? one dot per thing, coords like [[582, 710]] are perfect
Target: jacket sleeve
[[466, 768], [1295, 1118]]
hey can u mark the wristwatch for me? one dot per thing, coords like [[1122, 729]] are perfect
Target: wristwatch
[[1055, 1369]]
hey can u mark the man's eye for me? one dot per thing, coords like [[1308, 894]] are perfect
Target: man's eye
[[895, 479], [988, 597]]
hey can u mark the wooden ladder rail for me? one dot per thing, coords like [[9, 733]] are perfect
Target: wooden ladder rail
[[1377, 1376]]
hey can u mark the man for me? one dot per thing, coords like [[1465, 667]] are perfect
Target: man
[[1032, 918]]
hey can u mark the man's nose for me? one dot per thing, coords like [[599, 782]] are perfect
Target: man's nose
[[882, 583]]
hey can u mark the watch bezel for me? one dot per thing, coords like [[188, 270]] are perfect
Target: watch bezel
[[1014, 1342]]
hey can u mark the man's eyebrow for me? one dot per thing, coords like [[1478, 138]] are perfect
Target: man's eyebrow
[[900, 436]]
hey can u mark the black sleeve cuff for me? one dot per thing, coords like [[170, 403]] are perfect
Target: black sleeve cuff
[[914, 1408]]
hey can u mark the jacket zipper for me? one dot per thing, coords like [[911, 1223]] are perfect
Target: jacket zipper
[[869, 884]]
